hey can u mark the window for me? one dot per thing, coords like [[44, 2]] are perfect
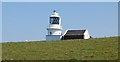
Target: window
[[50, 33], [51, 20], [54, 20]]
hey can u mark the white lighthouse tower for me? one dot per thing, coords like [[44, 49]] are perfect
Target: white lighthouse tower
[[54, 28]]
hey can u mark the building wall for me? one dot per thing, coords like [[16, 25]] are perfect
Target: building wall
[[54, 32], [86, 35], [53, 37]]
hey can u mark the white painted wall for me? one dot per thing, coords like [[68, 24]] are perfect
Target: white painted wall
[[86, 35], [54, 32], [53, 37], [65, 32]]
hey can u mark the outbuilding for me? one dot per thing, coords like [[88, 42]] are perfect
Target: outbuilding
[[76, 34]]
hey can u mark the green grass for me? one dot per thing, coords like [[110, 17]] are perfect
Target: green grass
[[90, 49]]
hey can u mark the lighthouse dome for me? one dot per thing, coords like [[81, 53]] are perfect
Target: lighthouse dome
[[55, 14]]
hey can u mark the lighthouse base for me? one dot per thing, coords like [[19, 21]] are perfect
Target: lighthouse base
[[53, 37]]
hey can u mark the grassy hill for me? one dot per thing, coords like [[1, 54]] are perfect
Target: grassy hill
[[90, 49]]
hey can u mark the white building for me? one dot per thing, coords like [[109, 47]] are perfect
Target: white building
[[76, 34], [54, 29]]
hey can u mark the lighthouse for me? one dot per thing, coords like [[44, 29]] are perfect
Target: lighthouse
[[54, 29]]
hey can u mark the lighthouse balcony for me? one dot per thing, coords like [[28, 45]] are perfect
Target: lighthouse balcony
[[54, 26]]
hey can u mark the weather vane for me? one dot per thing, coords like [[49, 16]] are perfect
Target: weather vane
[[54, 11]]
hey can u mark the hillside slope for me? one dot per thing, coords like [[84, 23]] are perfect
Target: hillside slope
[[90, 49]]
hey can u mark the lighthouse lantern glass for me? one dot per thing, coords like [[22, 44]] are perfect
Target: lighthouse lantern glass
[[54, 20]]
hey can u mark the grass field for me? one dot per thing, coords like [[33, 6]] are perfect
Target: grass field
[[90, 49]]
